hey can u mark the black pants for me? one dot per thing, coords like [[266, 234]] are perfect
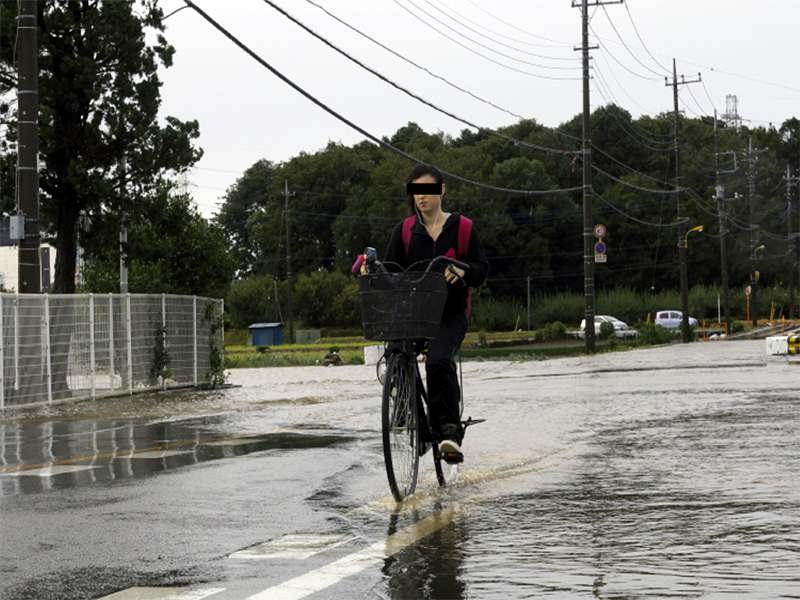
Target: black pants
[[443, 390]]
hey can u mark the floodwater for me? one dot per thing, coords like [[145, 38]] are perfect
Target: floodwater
[[664, 473]]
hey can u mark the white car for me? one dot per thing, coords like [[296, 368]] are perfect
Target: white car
[[672, 319], [620, 328]]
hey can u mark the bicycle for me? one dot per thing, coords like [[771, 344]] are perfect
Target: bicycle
[[405, 308]]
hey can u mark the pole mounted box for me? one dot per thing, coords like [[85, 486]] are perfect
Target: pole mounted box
[[16, 229]]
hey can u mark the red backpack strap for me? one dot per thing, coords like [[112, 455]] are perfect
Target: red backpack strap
[[407, 225], [464, 231]]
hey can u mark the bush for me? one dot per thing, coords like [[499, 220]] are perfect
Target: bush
[[737, 327], [253, 301], [327, 298], [651, 334], [607, 330]]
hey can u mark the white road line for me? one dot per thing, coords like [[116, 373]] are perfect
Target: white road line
[[298, 546], [333, 573]]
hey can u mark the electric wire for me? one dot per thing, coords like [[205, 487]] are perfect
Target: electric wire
[[634, 219], [624, 45], [505, 66], [449, 16], [351, 124], [636, 29], [409, 92], [411, 62]]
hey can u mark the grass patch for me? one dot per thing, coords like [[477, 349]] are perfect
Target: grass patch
[[288, 359]]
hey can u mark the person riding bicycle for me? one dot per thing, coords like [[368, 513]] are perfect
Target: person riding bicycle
[[435, 233]]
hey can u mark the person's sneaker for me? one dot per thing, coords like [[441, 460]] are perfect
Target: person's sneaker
[[451, 452]]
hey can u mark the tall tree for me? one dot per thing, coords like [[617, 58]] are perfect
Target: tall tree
[[99, 100]]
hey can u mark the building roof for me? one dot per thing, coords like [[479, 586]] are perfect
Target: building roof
[[265, 325]]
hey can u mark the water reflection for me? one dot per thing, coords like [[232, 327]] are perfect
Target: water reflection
[[37, 457], [432, 569]]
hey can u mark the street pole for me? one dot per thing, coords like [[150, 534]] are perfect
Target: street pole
[[588, 208], [588, 201], [529, 302], [751, 192], [789, 238], [29, 268], [287, 195], [723, 231], [123, 234], [686, 332]]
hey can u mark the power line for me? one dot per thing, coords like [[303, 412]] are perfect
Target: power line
[[409, 92], [352, 125], [411, 62], [440, 32]]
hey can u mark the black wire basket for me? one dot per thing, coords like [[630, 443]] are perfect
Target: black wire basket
[[401, 306]]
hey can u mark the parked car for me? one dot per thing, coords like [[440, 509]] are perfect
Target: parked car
[[672, 319], [620, 328]]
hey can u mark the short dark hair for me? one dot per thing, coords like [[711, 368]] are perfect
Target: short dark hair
[[418, 171]]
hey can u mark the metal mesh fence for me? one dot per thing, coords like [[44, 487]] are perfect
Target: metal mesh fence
[[73, 347]]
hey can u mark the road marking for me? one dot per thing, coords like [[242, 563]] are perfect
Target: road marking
[[299, 546], [162, 593], [331, 574]]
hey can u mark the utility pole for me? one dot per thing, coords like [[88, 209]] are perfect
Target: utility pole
[[588, 201], [287, 195], [123, 234], [751, 188], [723, 231], [789, 238], [687, 334], [29, 267]]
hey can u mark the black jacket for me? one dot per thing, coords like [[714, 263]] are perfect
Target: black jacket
[[422, 248]]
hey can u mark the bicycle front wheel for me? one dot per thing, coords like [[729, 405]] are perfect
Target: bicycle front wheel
[[400, 427]]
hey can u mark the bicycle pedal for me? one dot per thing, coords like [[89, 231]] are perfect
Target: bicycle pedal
[[453, 458]]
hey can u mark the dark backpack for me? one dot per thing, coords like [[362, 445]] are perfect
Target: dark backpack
[[464, 231]]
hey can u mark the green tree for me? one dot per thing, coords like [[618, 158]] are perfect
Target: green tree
[[171, 249], [252, 300], [248, 195], [99, 100]]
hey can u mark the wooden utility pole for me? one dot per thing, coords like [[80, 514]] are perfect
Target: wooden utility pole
[[287, 195], [686, 332], [29, 268], [588, 200]]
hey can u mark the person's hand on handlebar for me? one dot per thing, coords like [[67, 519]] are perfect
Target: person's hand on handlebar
[[453, 274]]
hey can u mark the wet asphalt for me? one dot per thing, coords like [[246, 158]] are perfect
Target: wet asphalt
[[659, 473]]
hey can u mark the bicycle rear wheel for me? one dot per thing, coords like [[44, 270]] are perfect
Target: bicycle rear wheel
[[400, 427]]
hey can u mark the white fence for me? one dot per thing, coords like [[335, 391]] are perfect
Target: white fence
[[71, 347]]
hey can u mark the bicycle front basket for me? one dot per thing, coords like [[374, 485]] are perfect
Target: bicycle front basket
[[401, 306]]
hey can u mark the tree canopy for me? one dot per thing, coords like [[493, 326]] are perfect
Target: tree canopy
[[346, 198], [103, 147]]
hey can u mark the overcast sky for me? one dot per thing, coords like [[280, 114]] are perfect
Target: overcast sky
[[515, 57]]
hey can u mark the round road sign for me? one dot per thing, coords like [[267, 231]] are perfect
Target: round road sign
[[599, 230], [600, 248]]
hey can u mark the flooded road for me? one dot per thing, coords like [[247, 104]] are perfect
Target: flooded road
[[668, 472]]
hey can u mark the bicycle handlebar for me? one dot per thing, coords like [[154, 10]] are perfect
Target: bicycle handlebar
[[451, 261]]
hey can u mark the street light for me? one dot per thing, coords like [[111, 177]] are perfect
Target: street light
[[686, 239], [757, 249]]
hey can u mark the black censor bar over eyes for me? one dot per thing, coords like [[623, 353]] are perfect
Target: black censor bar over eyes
[[419, 189]]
